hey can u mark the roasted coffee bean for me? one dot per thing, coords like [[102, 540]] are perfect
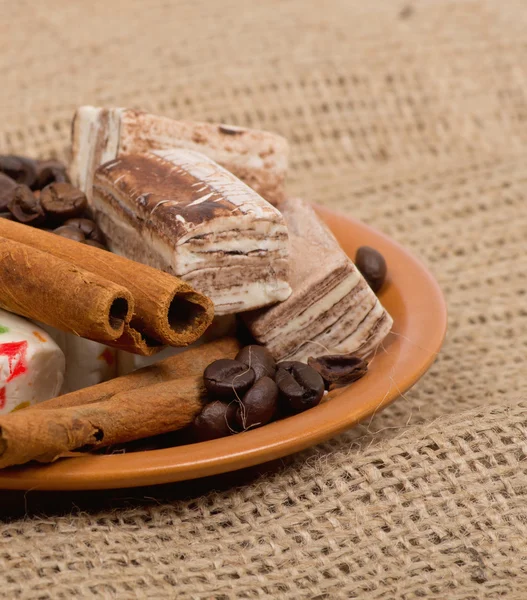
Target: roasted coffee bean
[[228, 378], [62, 201], [216, 420], [23, 170], [7, 188], [339, 368], [25, 207], [372, 265], [259, 359], [49, 171], [259, 404], [300, 386], [88, 227], [95, 244], [70, 232]]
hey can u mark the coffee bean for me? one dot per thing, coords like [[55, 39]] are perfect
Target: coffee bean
[[62, 201], [23, 170], [216, 420], [300, 386], [339, 368], [259, 404], [88, 227], [95, 244], [259, 359], [70, 232], [372, 265], [49, 171], [25, 207], [7, 187], [227, 378]]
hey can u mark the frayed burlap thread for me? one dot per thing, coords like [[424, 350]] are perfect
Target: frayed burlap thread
[[411, 116]]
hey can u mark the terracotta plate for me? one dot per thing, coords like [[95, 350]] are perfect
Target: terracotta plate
[[414, 300]]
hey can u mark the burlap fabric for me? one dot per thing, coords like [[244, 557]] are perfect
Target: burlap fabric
[[409, 115]]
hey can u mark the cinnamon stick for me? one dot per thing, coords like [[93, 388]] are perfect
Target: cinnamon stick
[[166, 308], [136, 342], [189, 363], [40, 286], [131, 415]]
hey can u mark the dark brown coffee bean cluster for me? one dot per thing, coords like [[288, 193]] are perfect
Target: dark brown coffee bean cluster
[[39, 193], [372, 265], [253, 390]]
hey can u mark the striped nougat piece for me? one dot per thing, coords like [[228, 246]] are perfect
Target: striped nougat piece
[[259, 158], [178, 211], [331, 309]]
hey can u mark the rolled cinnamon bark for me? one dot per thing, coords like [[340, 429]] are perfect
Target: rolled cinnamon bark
[[135, 414], [136, 342], [166, 308], [191, 362], [40, 286]]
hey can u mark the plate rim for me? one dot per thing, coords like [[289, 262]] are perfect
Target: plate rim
[[168, 465]]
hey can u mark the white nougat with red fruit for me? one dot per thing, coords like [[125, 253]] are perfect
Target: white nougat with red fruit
[[32, 366], [87, 362]]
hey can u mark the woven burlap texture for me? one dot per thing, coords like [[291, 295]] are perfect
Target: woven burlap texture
[[409, 115]]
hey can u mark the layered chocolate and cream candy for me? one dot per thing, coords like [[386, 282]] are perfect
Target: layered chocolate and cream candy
[[178, 211], [259, 158], [331, 309]]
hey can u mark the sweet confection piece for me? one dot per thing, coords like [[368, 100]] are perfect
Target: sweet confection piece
[[331, 310], [87, 362], [259, 158], [32, 366], [182, 213]]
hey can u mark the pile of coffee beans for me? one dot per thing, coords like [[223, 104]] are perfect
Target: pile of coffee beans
[[252, 389], [39, 193]]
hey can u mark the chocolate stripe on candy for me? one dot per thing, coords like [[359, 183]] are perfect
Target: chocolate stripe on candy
[[180, 212]]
